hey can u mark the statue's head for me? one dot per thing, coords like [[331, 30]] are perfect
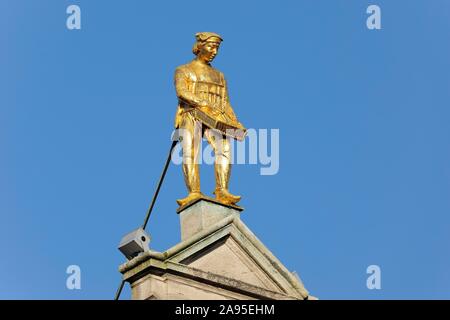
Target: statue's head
[[207, 46]]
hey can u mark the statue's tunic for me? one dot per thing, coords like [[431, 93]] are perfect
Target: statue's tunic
[[200, 85]]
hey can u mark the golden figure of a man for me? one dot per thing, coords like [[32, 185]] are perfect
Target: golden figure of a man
[[200, 87]]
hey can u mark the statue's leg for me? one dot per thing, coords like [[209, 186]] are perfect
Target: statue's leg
[[222, 166], [191, 145]]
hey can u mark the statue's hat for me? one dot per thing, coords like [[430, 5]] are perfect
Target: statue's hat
[[208, 36]]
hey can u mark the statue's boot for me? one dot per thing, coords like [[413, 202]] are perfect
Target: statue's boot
[[191, 197], [224, 196], [223, 171], [192, 180]]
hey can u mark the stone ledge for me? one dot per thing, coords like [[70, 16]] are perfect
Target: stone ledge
[[208, 199], [153, 266]]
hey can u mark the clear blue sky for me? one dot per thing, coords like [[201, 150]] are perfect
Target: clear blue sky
[[86, 116]]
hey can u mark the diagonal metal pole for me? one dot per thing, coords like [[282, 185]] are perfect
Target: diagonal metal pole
[[119, 290], [161, 179], [149, 211]]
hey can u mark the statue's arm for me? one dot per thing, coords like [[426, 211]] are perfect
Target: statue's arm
[[182, 79]]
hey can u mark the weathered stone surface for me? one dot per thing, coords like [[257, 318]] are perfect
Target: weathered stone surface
[[201, 214], [218, 258]]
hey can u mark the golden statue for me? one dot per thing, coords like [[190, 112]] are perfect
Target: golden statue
[[204, 111]]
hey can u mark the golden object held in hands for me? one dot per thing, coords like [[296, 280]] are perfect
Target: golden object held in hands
[[203, 97], [212, 119]]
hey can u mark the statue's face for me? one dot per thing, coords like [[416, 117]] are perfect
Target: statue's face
[[208, 51]]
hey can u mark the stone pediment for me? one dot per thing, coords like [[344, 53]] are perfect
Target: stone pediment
[[224, 254], [227, 258]]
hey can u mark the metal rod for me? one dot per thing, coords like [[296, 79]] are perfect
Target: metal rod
[[119, 290], [161, 179], [149, 211]]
